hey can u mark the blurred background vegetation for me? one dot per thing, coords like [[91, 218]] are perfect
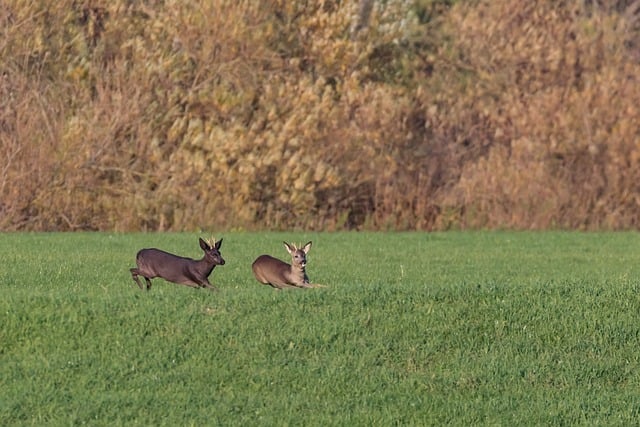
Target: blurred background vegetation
[[398, 114]]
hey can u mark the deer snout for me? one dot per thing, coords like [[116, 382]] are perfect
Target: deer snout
[[221, 261]]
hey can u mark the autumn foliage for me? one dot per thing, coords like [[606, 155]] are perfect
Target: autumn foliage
[[433, 114]]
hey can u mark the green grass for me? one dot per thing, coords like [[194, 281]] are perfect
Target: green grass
[[414, 329]]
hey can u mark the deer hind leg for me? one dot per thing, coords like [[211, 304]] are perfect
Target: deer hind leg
[[135, 273]]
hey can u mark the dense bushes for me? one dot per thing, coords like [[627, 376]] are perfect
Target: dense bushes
[[163, 115]]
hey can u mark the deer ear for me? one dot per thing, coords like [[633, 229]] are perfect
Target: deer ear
[[306, 247], [204, 245], [289, 248], [218, 244]]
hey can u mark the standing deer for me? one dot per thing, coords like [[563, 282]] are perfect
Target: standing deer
[[278, 274], [173, 268]]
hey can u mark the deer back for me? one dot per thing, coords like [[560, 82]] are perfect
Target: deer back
[[158, 263]]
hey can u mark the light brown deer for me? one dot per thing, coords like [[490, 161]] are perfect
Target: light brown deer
[[173, 268], [280, 275]]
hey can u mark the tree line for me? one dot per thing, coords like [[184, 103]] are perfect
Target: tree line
[[399, 115]]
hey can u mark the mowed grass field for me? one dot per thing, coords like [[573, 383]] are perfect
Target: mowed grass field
[[478, 328]]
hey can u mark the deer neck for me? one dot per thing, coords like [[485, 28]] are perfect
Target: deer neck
[[205, 266], [299, 274]]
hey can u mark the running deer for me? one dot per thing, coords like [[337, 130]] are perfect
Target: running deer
[[278, 274], [173, 268]]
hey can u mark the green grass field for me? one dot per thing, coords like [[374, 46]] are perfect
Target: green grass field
[[454, 328]]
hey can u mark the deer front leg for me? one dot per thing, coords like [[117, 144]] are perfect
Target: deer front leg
[[191, 285], [311, 285], [316, 285], [206, 284]]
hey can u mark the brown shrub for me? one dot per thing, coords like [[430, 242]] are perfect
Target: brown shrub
[[187, 115], [549, 81]]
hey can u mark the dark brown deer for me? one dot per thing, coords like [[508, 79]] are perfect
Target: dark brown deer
[[280, 275], [173, 268]]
